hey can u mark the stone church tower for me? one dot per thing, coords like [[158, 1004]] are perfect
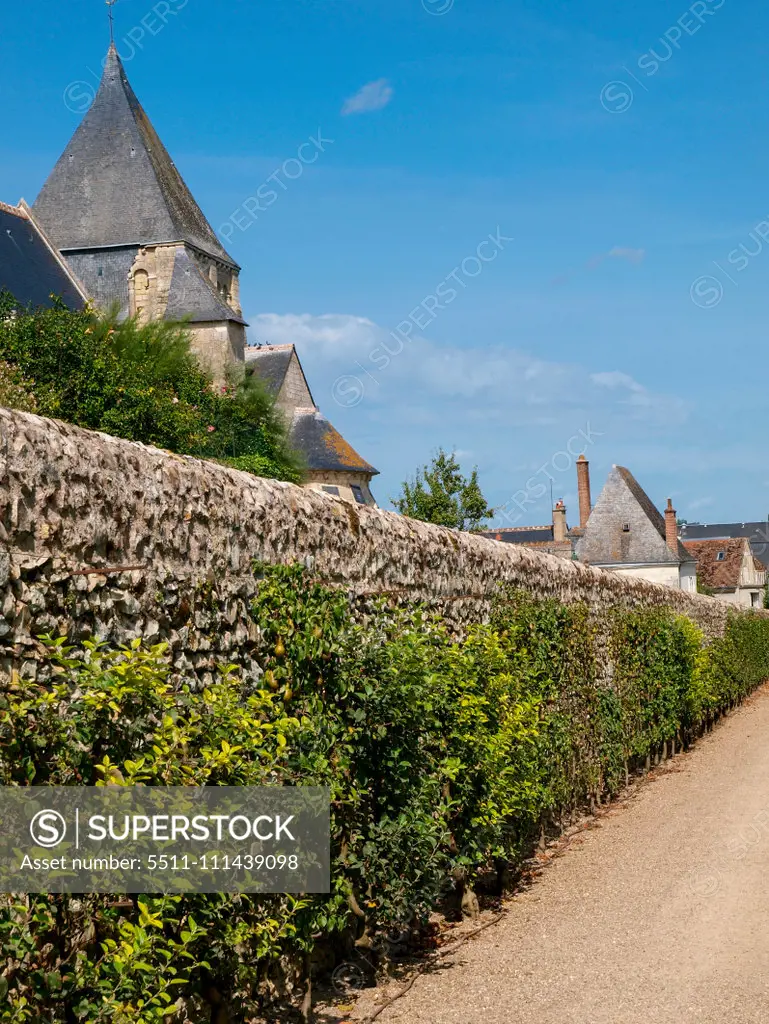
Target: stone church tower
[[120, 213]]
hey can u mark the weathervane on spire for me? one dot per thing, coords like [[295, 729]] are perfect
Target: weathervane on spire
[[110, 5]]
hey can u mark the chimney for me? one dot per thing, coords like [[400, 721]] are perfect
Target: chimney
[[559, 523], [671, 527], [583, 485]]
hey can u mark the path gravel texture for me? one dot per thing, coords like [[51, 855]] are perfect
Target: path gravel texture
[[658, 916]]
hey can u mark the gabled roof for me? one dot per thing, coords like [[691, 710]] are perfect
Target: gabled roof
[[720, 561], [271, 362], [115, 183], [30, 268], [192, 296], [757, 534], [626, 528], [323, 447]]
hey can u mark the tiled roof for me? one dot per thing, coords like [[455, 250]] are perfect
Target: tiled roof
[[323, 447], [30, 268], [115, 183], [720, 561], [192, 295], [757, 534]]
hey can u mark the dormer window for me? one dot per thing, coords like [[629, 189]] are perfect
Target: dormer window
[[626, 527], [720, 556]]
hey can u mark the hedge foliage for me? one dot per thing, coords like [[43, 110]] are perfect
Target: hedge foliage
[[139, 382], [445, 759]]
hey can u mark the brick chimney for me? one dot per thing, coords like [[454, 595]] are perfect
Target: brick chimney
[[583, 485], [671, 527], [559, 522]]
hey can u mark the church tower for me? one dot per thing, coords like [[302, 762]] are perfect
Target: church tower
[[123, 218]]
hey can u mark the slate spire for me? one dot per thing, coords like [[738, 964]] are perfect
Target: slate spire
[[115, 183]]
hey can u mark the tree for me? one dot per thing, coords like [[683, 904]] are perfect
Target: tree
[[441, 494], [143, 383]]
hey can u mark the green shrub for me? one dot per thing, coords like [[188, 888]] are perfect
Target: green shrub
[[142, 383], [445, 758]]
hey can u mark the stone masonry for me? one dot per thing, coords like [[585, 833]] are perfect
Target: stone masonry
[[109, 538]]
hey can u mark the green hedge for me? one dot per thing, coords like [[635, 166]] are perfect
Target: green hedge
[[445, 759]]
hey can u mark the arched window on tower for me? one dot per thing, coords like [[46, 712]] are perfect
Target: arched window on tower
[[140, 296]]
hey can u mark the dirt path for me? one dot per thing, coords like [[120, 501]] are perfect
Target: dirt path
[[658, 916]]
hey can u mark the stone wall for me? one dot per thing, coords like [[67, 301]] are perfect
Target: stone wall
[[104, 537]]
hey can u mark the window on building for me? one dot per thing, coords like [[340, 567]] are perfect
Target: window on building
[[720, 556], [357, 493], [332, 490], [754, 599], [626, 528]]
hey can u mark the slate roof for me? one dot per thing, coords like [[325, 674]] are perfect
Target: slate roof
[[115, 183], [30, 268], [271, 363], [624, 503], [192, 295], [323, 447], [721, 573], [756, 533], [521, 534]]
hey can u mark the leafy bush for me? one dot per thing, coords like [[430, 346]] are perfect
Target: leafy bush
[[445, 758], [15, 389], [142, 383]]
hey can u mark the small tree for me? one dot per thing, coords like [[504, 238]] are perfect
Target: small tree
[[441, 494]]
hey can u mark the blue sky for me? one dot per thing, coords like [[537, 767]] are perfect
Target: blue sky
[[619, 148]]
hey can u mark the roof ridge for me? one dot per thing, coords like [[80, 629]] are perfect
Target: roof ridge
[[271, 348], [519, 529], [17, 210], [649, 509]]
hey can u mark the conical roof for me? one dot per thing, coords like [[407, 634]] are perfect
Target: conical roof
[[115, 183]]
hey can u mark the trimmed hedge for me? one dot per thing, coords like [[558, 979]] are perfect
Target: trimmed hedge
[[446, 759]]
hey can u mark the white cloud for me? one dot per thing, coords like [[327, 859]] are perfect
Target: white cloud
[[396, 403], [615, 379], [492, 382], [699, 503], [373, 96]]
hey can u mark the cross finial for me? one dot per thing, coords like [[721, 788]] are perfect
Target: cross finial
[[110, 5]]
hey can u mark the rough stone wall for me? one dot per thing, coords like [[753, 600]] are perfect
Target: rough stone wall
[[105, 537]]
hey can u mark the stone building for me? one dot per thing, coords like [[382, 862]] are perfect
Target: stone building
[[119, 212], [127, 234], [626, 533], [729, 570], [332, 465], [554, 538]]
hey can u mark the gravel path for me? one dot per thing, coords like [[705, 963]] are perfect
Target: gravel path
[[658, 916]]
